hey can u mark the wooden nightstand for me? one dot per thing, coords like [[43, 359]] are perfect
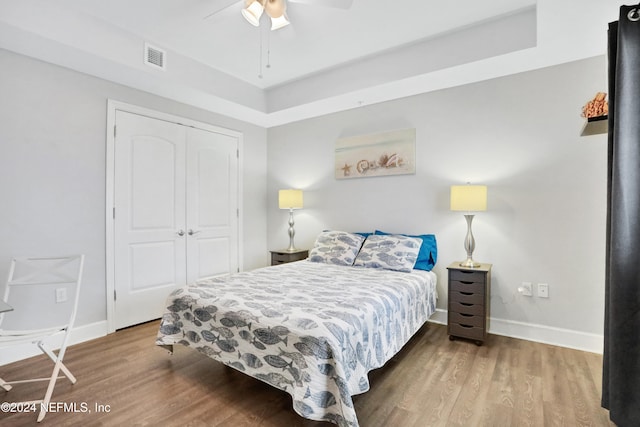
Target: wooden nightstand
[[284, 256], [469, 300]]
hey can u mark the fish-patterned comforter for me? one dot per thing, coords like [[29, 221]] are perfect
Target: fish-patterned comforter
[[313, 330]]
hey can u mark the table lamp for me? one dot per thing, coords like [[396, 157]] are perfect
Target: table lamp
[[290, 199], [469, 198]]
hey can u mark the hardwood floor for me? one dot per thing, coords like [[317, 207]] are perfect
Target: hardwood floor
[[431, 382]]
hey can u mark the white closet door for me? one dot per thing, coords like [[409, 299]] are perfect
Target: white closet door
[[150, 224], [212, 200], [176, 211]]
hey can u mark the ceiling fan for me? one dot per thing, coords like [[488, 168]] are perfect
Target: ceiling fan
[[276, 9]]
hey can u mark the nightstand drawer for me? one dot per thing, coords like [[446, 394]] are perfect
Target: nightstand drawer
[[473, 332], [280, 257], [473, 288], [283, 257], [466, 297], [466, 319], [464, 308], [467, 276]]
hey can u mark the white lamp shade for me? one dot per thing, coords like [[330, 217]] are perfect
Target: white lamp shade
[[469, 198], [290, 199], [253, 12], [277, 23]]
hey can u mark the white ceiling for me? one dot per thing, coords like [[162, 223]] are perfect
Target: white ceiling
[[319, 37], [328, 59]]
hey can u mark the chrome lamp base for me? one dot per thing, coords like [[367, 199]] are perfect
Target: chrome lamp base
[[470, 263], [292, 233], [469, 245]]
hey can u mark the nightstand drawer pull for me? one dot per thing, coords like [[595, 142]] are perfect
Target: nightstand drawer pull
[[466, 319], [476, 288], [467, 298], [283, 257], [467, 276], [475, 309], [467, 331]]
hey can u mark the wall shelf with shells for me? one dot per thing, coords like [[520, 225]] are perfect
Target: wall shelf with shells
[[596, 112], [595, 126]]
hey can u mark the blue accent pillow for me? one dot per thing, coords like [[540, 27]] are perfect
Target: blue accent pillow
[[363, 234], [428, 254]]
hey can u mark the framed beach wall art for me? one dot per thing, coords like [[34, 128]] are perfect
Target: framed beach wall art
[[380, 154]]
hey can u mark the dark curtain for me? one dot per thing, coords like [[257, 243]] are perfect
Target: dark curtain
[[621, 362]]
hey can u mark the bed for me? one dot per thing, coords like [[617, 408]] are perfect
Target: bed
[[313, 328]]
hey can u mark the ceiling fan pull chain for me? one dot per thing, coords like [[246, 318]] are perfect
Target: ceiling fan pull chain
[[269, 49], [260, 61]]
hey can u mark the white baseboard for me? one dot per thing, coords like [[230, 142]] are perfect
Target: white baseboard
[[527, 331], [78, 334], [439, 317], [569, 338]]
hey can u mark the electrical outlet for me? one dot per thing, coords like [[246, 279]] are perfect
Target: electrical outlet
[[525, 289], [61, 295], [543, 290]]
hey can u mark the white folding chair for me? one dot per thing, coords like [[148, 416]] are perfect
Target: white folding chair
[[44, 295]]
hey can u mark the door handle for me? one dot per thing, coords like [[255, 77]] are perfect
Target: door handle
[[191, 232], [180, 233]]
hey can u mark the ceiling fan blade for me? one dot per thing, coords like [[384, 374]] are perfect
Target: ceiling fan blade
[[338, 4], [221, 6]]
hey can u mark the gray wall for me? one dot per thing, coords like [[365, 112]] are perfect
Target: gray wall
[[52, 168], [520, 136], [517, 134]]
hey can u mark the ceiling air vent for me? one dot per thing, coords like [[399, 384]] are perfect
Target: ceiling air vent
[[154, 57]]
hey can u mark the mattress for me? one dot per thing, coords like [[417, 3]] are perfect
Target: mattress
[[311, 329]]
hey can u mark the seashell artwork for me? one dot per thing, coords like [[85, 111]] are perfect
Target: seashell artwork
[[382, 154]]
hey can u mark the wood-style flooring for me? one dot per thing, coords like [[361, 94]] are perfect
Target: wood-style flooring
[[125, 380]]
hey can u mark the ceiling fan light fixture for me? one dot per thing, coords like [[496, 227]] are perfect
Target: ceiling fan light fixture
[[279, 22], [276, 10], [253, 12]]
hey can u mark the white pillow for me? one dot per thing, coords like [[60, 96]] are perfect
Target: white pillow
[[336, 247], [390, 252]]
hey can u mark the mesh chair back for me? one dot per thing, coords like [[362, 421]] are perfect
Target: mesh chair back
[[43, 293]]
